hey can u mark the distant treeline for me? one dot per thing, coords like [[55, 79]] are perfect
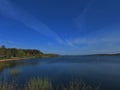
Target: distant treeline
[[14, 52]]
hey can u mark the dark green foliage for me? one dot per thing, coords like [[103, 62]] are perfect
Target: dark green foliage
[[14, 52], [2, 51]]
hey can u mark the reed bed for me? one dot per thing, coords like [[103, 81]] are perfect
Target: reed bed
[[45, 84]]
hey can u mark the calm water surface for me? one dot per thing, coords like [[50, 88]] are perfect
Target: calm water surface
[[103, 71]]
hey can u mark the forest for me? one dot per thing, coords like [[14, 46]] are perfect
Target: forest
[[21, 53]]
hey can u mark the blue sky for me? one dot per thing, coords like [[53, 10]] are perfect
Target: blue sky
[[61, 26]]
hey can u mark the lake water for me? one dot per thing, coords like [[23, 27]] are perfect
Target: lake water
[[102, 71]]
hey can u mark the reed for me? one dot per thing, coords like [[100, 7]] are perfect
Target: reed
[[45, 84]]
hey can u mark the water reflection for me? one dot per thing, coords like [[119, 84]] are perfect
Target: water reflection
[[13, 64], [95, 71]]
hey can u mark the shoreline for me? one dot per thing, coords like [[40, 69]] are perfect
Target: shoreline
[[25, 58], [14, 59]]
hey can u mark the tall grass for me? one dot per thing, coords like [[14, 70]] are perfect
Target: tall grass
[[5, 86], [45, 84], [74, 85], [39, 84]]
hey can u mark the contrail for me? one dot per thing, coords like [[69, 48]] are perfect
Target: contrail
[[6, 8], [81, 19]]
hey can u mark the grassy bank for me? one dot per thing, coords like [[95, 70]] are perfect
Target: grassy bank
[[26, 58], [45, 84]]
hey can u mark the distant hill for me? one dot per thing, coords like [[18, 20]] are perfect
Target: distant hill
[[117, 54]]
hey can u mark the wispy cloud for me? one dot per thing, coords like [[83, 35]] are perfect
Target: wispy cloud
[[80, 20], [8, 9], [102, 39], [90, 42]]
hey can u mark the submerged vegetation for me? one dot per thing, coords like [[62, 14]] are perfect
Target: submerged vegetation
[[45, 84], [14, 53], [15, 72], [39, 84]]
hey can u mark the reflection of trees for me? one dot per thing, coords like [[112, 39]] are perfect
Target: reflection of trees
[[13, 64]]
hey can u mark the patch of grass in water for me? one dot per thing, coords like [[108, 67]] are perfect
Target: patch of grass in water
[[45, 84], [15, 72], [39, 84]]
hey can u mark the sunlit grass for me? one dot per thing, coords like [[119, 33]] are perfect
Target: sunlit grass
[[39, 84]]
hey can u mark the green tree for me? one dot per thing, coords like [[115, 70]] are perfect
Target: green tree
[[21, 53], [3, 50], [8, 53]]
